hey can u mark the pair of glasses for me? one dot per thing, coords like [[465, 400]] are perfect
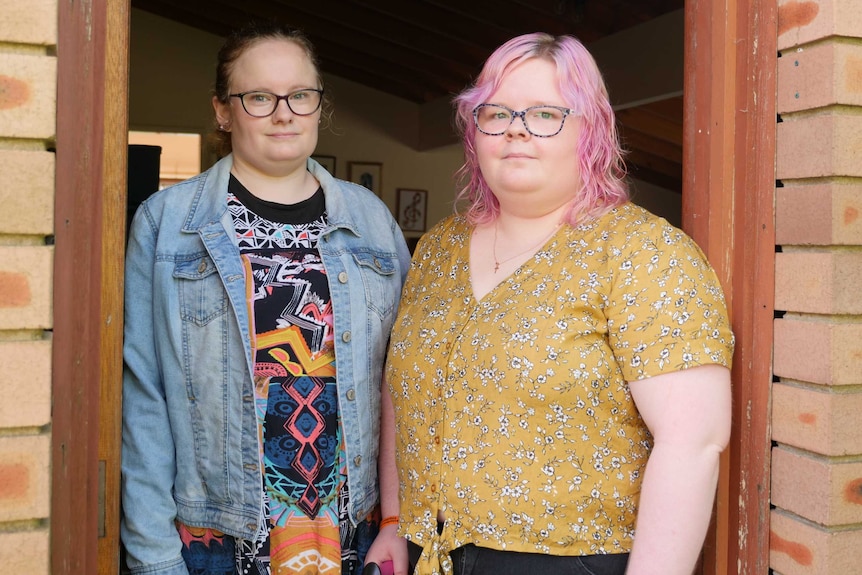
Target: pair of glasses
[[262, 104], [540, 121]]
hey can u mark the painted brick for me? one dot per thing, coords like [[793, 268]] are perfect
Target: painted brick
[[25, 477], [819, 419], [820, 75], [818, 351], [827, 491], [25, 383], [804, 21], [29, 22], [25, 552], [25, 287], [28, 96], [27, 193], [819, 145], [799, 547], [818, 282], [819, 214]]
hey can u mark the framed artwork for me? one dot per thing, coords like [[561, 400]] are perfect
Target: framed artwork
[[368, 174], [327, 162], [412, 207]]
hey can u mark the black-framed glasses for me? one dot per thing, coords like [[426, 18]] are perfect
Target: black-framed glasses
[[540, 121], [262, 104]]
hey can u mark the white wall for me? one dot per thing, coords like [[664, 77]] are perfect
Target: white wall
[[172, 71]]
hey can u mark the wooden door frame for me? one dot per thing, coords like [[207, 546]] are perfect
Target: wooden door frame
[[729, 152], [89, 237], [728, 194]]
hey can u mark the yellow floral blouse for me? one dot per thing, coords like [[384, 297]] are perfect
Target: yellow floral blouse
[[512, 413]]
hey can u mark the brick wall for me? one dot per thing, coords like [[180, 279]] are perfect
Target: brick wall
[[28, 38], [816, 522]]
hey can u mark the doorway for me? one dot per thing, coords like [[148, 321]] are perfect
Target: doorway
[[92, 120]]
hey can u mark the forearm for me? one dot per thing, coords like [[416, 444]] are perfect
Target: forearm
[[674, 511], [386, 465], [388, 546]]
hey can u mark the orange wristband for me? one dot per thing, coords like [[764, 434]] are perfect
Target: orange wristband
[[391, 520]]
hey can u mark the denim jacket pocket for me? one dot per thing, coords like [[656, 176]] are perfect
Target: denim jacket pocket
[[201, 292], [382, 284]]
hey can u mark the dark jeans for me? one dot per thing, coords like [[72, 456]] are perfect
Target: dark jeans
[[472, 560]]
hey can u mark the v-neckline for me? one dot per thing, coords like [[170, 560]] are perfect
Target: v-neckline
[[505, 279]]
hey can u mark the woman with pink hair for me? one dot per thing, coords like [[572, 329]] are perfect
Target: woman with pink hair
[[558, 373]]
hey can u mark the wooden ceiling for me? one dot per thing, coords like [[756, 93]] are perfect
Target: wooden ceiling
[[423, 50]]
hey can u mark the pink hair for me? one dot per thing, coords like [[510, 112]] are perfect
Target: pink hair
[[599, 154]]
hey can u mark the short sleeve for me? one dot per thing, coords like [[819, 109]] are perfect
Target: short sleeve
[[666, 310]]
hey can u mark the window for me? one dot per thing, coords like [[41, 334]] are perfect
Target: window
[[180, 157]]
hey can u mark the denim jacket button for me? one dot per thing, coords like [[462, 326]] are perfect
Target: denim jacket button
[[345, 337], [202, 267], [351, 394], [377, 263], [357, 461], [342, 277]]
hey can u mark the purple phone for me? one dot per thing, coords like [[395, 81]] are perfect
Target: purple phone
[[386, 568]]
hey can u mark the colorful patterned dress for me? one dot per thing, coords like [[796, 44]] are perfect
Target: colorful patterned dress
[[296, 402]]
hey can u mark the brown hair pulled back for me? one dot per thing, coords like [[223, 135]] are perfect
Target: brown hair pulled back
[[235, 46]]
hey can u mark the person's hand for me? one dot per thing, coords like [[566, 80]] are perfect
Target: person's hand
[[388, 546]]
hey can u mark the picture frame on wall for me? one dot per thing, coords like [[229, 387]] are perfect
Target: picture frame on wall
[[328, 162], [368, 174], [412, 209]]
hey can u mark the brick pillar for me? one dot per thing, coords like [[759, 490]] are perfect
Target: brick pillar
[[816, 523], [28, 84]]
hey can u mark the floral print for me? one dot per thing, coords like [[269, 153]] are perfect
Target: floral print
[[513, 415]]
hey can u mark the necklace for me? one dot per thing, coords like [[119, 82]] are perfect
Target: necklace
[[533, 247]]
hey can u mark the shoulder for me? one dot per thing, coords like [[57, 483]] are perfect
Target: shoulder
[[632, 219], [349, 201], [631, 230], [450, 233], [179, 197], [352, 189], [447, 227]]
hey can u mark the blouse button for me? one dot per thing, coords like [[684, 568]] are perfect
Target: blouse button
[[433, 488], [351, 394], [345, 337], [202, 267], [437, 440], [342, 277]]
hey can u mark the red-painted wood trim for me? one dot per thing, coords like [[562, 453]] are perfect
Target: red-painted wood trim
[[728, 191], [79, 284], [114, 175]]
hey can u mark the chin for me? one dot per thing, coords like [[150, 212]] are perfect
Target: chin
[[518, 185]]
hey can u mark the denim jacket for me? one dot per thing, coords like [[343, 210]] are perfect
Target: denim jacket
[[190, 441]]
